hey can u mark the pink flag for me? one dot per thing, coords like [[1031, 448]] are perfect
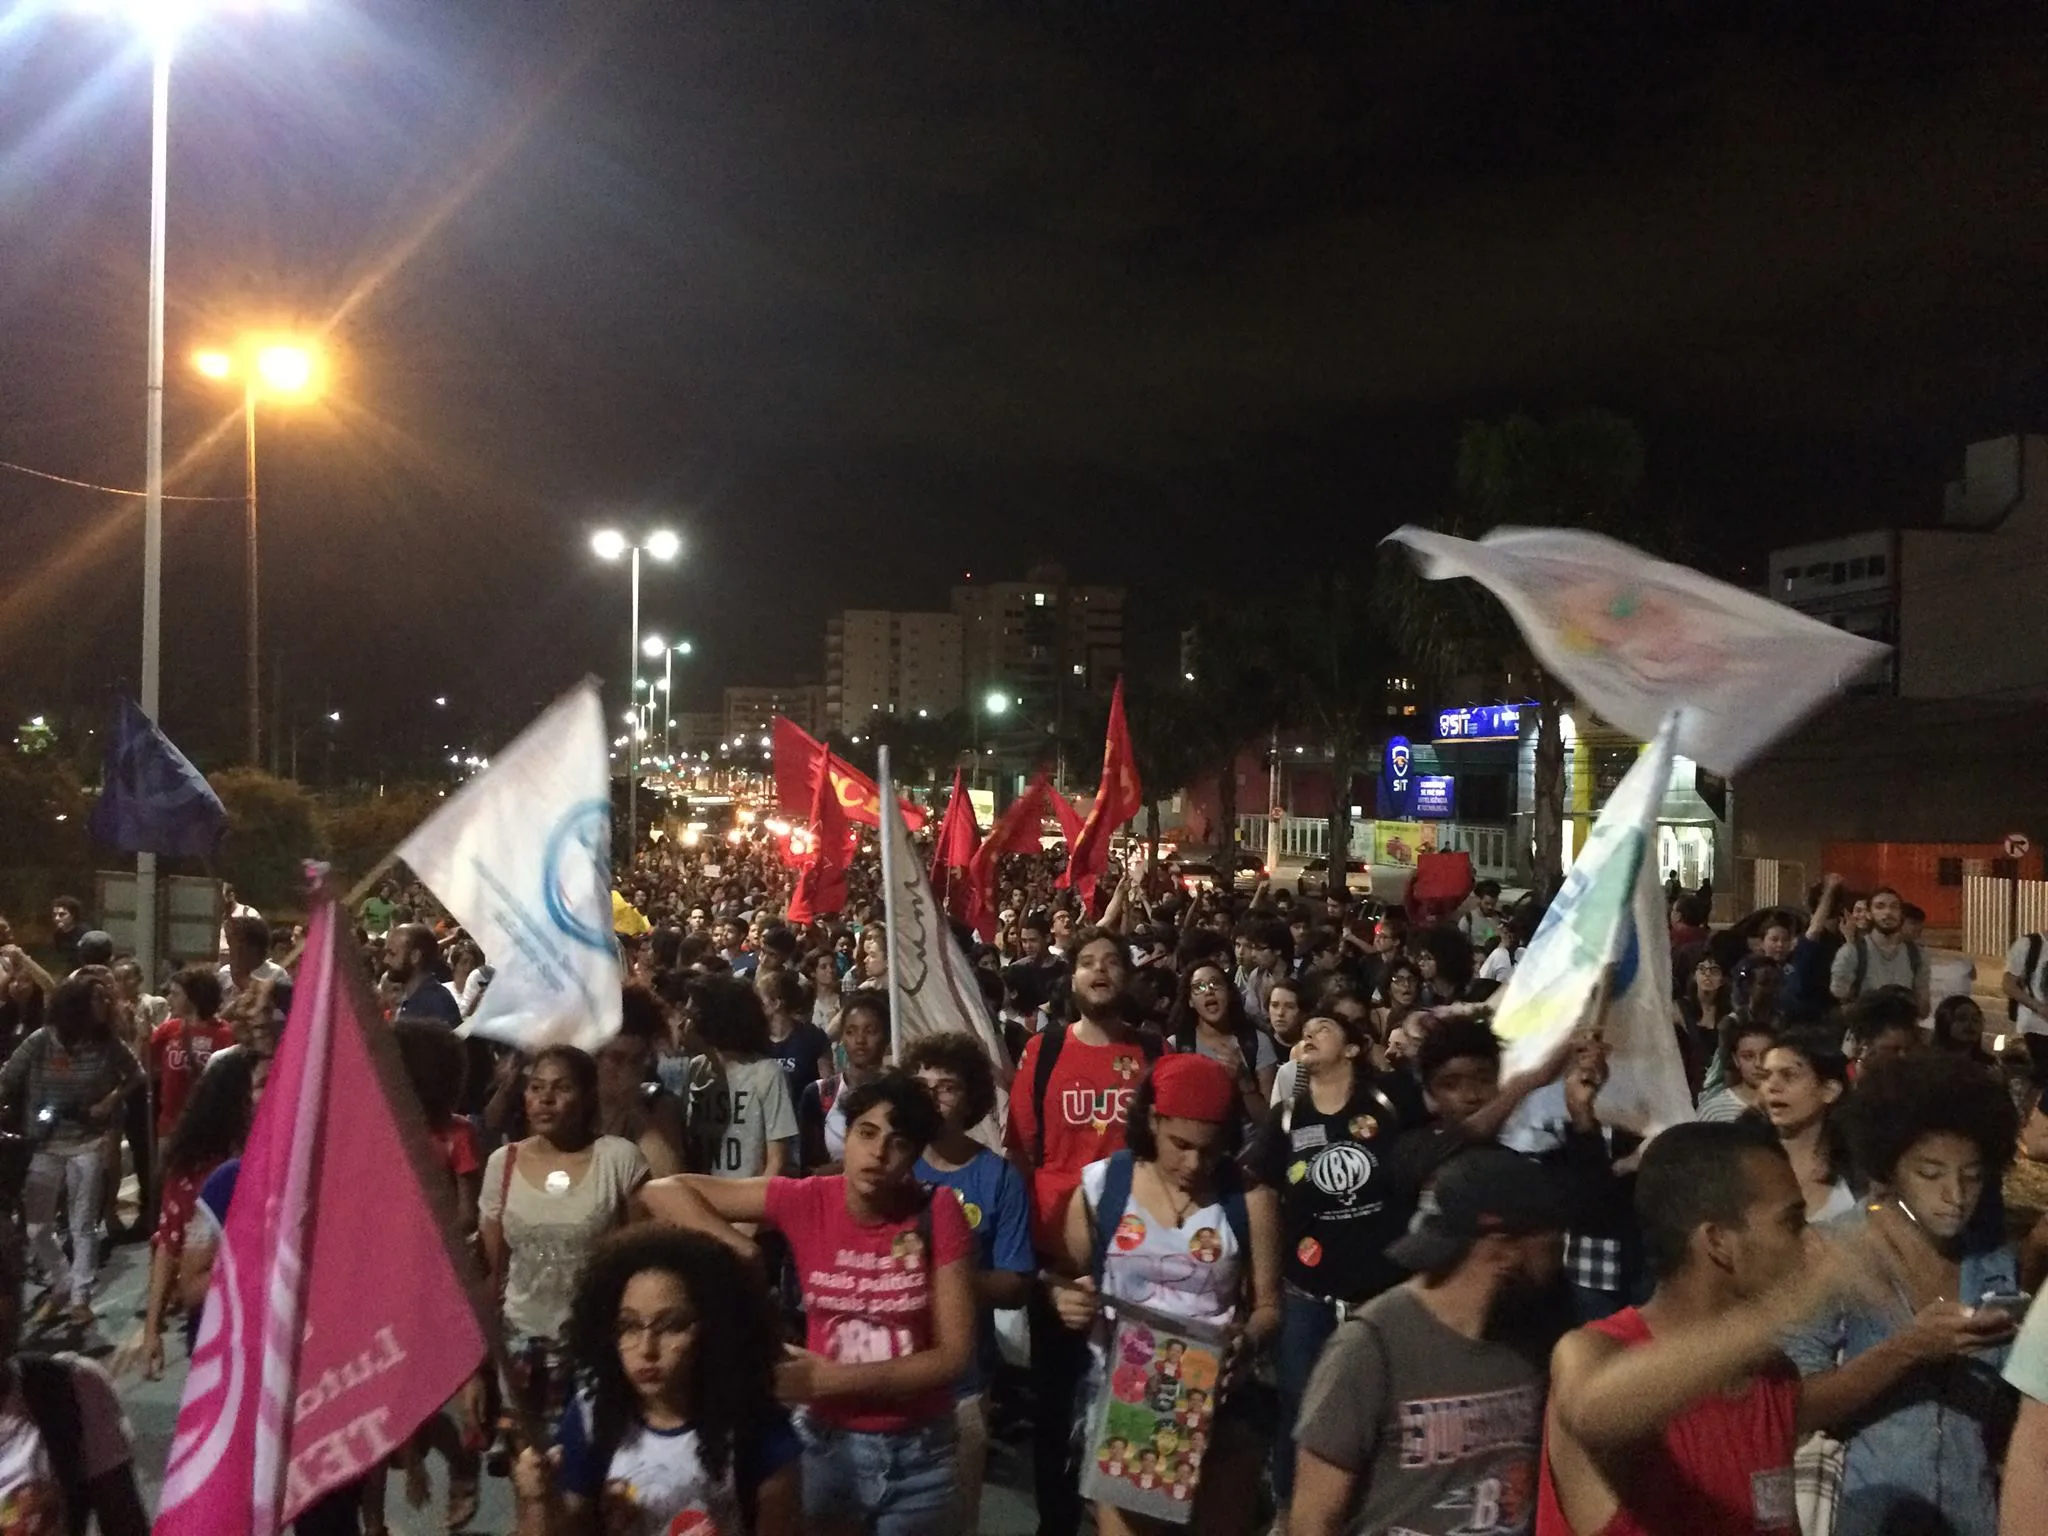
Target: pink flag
[[337, 1321]]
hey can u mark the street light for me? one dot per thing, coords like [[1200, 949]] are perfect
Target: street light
[[668, 655], [609, 544], [160, 21], [277, 369]]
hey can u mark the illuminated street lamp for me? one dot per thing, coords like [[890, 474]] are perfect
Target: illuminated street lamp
[[654, 646], [159, 21], [274, 368], [609, 544]]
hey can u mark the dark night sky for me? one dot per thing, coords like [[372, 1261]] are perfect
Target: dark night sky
[[859, 296]]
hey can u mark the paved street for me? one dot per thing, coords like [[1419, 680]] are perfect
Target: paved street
[[153, 1409]]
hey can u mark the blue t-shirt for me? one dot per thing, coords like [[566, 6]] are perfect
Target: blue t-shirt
[[215, 1195], [661, 1472], [998, 1211]]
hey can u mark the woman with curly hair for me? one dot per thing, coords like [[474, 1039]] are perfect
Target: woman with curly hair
[[1923, 1349], [676, 1427]]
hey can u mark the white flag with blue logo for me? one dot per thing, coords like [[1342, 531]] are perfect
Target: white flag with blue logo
[[1610, 912], [521, 855], [1636, 638]]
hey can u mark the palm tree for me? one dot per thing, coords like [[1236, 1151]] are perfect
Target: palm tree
[[1237, 695], [1578, 470], [1334, 659]]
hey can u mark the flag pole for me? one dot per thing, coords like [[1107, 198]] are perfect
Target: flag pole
[[890, 875]]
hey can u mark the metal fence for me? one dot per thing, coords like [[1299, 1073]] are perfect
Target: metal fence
[[1995, 914]]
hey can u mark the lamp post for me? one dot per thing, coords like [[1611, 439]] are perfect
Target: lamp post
[[662, 545], [996, 704], [654, 646], [279, 369], [161, 21]]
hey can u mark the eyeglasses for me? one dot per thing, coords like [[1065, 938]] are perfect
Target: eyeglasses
[[1204, 988], [669, 1325]]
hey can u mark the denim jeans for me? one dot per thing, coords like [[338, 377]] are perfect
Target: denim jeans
[[897, 1484], [76, 1176], [1306, 1323]]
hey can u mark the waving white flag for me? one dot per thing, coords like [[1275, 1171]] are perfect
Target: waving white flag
[[522, 856], [1637, 638], [932, 989], [1610, 912]]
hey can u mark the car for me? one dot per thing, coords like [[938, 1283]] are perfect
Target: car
[[1315, 877], [1200, 874]]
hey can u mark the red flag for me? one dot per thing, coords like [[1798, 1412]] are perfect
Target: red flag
[[1015, 831], [797, 754], [953, 864], [305, 1376], [821, 886], [1116, 802], [1069, 818]]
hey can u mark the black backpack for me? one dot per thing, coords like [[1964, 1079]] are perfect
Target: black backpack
[[51, 1396], [1862, 944], [1049, 1045]]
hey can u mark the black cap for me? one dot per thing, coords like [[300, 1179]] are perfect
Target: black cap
[[1486, 1189]]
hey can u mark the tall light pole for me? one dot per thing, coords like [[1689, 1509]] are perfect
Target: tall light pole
[[662, 545], [668, 653], [161, 21], [280, 370]]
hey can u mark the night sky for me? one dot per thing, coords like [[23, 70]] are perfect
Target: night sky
[[862, 296]]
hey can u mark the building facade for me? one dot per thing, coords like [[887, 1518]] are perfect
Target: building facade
[[1045, 642], [750, 712], [882, 663], [1952, 600]]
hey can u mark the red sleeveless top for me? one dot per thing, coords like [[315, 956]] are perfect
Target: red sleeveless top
[[1721, 1468]]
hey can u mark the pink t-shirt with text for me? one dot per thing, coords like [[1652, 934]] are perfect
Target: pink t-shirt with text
[[867, 1290]]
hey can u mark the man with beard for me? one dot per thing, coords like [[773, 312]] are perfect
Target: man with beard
[[1067, 1107], [1883, 957], [413, 962], [1425, 1413]]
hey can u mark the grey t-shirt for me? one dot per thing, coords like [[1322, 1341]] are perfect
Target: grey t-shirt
[[1442, 1432], [1897, 969], [736, 1109]]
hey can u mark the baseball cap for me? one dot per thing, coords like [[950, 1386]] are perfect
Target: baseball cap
[[1480, 1191]]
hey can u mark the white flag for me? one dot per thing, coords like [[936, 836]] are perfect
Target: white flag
[[1610, 912], [932, 989], [1637, 638], [522, 856]]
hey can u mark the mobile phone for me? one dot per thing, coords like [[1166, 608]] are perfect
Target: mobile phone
[[2013, 1304]]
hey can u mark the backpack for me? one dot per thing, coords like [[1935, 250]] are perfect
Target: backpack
[[1862, 943], [1049, 1045], [1116, 1198], [2012, 1009], [51, 1396]]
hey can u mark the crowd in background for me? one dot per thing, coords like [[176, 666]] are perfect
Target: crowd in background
[[729, 1291]]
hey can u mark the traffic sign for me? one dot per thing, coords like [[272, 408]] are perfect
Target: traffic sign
[[2016, 845]]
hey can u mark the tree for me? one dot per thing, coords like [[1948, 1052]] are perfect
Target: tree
[[1167, 735], [1334, 659], [271, 830], [1578, 470], [1238, 695]]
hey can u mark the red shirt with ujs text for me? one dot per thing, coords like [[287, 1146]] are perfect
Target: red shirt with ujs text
[[178, 1053], [1085, 1105], [1722, 1468], [868, 1290]]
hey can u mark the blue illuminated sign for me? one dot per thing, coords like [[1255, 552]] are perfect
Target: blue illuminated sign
[[1436, 797], [1397, 780], [1480, 722]]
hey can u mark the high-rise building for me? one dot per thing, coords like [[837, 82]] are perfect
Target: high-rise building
[[1044, 641], [750, 712], [880, 663]]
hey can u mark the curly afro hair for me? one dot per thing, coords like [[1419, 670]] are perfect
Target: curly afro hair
[[731, 1388], [1897, 1102]]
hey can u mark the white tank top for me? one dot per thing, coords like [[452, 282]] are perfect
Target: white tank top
[[1190, 1271]]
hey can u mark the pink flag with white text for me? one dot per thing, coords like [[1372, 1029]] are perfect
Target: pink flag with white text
[[337, 1320]]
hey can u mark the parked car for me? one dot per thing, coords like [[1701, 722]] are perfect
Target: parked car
[[1315, 877], [1201, 874]]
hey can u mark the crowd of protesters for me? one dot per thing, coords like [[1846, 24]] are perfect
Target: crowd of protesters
[[754, 1274]]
